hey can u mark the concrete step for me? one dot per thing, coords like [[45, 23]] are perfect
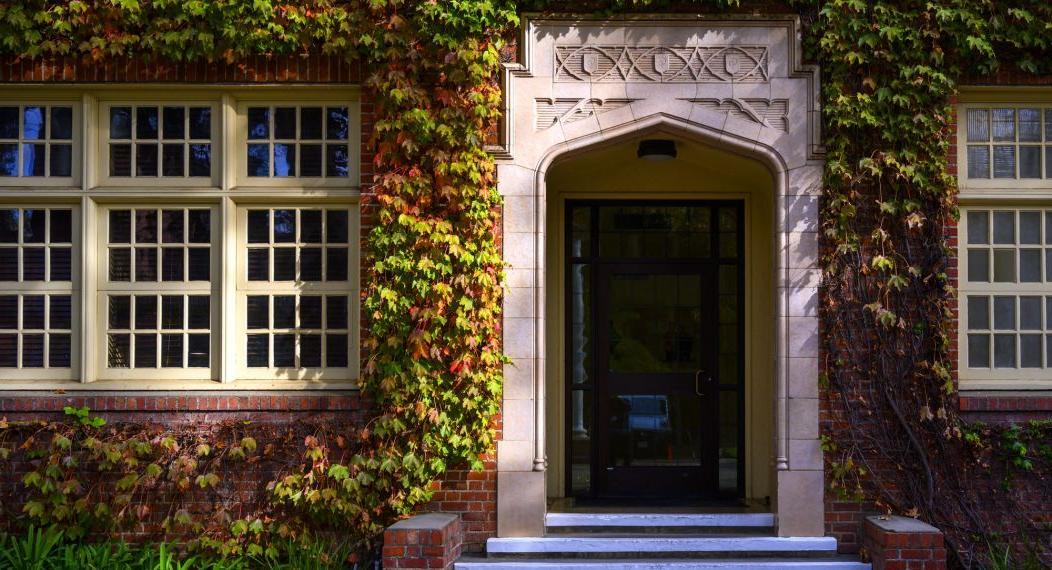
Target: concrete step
[[833, 563], [660, 547], [660, 523]]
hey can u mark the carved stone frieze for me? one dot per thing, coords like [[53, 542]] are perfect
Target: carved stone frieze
[[553, 111], [773, 113], [662, 64]]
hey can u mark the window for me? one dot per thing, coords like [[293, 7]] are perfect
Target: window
[[1006, 296], [295, 279], [173, 142], [188, 238], [36, 141], [1008, 144], [156, 290], [297, 142], [37, 294]]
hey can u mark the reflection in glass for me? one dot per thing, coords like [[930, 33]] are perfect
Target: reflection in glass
[[336, 126], [200, 122], [655, 231], [659, 331], [258, 124], [336, 160], [33, 159], [120, 122], [9, 159], [34, 124], [581, 323], [655, 430], [581, 441], [146, 122], [258, 160], [284, 159]]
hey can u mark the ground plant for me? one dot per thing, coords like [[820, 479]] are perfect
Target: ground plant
[[432, 279]]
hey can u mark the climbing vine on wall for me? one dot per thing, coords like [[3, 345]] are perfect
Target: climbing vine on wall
[[433, 361]]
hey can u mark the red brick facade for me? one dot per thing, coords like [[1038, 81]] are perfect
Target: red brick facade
[[472, 495], [898, 543]]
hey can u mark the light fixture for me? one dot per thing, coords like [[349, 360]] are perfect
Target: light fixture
[[656, 150]]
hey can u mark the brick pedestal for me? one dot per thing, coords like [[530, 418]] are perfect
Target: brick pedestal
[[901, 543], [431, 540]]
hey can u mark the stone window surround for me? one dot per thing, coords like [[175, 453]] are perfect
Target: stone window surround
[[795, 163]]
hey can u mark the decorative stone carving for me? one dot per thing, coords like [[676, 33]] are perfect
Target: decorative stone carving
[[552, 111], [773, 113], [662, 64]]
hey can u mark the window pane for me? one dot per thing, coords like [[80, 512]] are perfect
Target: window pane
[[336, 312], [8, 122], [1030, 313], [172, 312], [284, 311], [145, 264], [9, 311], [59, 350], [120, 160], [146, 226], [33, 159], [200, 226], [1030, 265], [32, 351], [310, 226], [336, 160], [258, 309], [310, 350], [146, 160], [8, 350], [336, 264], [1004, 313], [120, 122], [336, 350], [258, 350], [1004, 227], [146, 350], [200, 160], [284, 226], [197, 351], [62, 123], [172, 160], [172, 350], [172, 264], [310, 123], [120, 312], [9, 264], [284, 159], [1030, 162], [336, 126], [284, 350], [258, 226], [33, 312], [310, 312], [61, 264], [259, 160], [61, 160], [172, 226], [9, 159], [1004, 266], [1004, 161], [200, 122], [285, 123], [200, 264], [336, 230], [978, 227], [285, 264], [9, 225], [1004, 124], [120, 226], [146, 122], [1029, 227], [119, 351], [310, 160], [1048, 159], [199, 314], [310, 264], [1004, 351], [34, 124], [258, 265], [33, 264], [174, 123], [1030, 350], [120, 264], [146, 312], [60, 312], [1029, 125], [258, 123], [33, 224]]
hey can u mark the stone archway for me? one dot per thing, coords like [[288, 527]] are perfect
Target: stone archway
[[734, 84]]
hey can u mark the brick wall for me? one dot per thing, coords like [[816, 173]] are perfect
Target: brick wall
[[469, 494], [424, 541], [899, 543]]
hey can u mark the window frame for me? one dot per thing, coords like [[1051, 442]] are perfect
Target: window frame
[[993, 378], [350, 288], [74, 180], [241, 142], [102, 144], [74, 290], [93, 193]]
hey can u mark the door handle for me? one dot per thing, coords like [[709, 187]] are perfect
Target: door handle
[[697, 386]]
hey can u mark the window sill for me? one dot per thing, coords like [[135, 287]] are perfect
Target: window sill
[[203, 387], [989, 401]]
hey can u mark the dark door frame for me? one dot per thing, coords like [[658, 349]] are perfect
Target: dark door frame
[[710, 484]]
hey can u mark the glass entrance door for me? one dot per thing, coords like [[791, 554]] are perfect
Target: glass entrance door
[[654, 349]]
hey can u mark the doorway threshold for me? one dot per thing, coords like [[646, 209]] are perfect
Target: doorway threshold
[[677, 506]]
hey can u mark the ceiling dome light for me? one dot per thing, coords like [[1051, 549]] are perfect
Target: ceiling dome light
[[656, 150]]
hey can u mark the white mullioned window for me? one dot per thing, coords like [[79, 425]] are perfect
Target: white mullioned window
[[189, 238], [295, 265], [1007, 145]]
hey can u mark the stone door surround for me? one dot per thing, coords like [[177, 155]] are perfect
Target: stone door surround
[[732, 83]]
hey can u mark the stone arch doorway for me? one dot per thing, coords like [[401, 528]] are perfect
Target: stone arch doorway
[[588, 85]]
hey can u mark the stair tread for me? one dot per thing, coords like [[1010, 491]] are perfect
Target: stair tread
[[830, 563], [659, 519], [665, 543]]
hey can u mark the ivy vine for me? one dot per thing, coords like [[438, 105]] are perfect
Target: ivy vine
[[890, 70]]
